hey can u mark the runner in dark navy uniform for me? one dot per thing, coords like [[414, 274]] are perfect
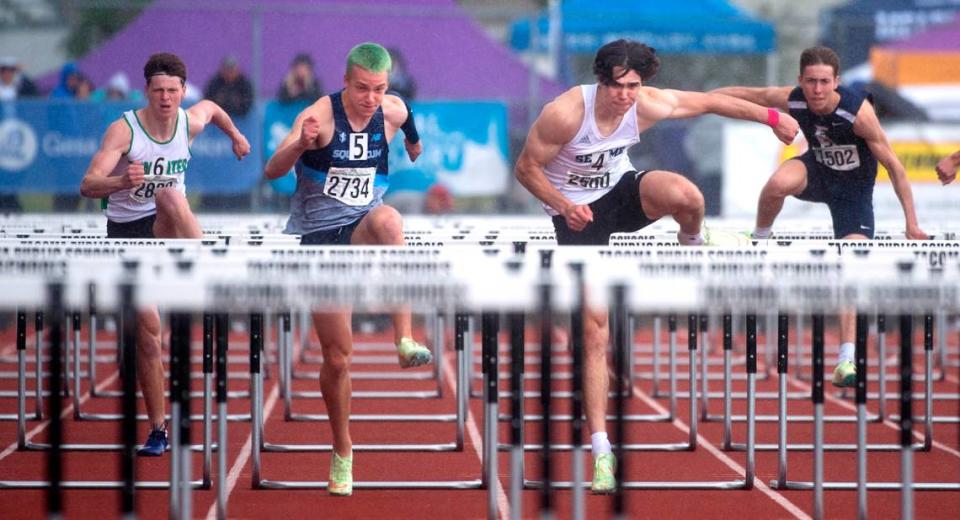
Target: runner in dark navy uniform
[[839, 169], [339, 148]]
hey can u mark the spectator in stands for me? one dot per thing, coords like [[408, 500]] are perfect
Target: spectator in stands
[[69, 79], [84, 88], [300, 83], [13, 82], [947, 167], [233, 91], [439, 200], [401, 82], [117, 89], [230, 88], [72, 82]]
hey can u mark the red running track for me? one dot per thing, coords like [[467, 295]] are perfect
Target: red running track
[[707, 462]]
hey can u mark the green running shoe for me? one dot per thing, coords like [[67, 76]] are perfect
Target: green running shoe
[[603, 479], [341, 476], [413, 354], [845, 375]]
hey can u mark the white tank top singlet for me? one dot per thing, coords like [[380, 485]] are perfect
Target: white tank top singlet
[[164, 166], [590, 165]]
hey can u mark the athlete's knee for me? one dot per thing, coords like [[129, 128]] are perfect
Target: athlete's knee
[[689, 198], [171, 202], [336, 360], [789, 180], [671, 194], [777, 188], [387, 225]]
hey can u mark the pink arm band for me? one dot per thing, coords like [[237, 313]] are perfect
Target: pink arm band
[[773, 117]]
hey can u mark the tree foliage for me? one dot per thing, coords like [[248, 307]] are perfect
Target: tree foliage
[[92, 23]]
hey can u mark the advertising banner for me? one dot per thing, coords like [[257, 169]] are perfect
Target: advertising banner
[[464, 148], [46, 147]]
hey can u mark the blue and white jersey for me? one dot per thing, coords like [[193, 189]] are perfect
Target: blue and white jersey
[[831, 138], [340, 183]]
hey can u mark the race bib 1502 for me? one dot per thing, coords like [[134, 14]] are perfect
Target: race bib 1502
[[840, 157]]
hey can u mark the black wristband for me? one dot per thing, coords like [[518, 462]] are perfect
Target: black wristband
[[409, 127]]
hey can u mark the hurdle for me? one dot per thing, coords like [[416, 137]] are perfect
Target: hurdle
[[260, 482], [633, 303], [55, 484], [27, 445], [620, 310]]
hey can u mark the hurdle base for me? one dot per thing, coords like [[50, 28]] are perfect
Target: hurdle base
[[289, 484], [301, 448], [873, 486]]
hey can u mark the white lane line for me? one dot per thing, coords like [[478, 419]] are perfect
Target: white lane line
[[892, 425], [244, 455], [779, 499], [503, 504], [12, 346], [67, 411]]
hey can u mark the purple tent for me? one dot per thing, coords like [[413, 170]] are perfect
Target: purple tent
[[448, 53]]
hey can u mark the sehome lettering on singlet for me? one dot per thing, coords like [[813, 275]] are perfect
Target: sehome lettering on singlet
[[164, 166], [590, 165]]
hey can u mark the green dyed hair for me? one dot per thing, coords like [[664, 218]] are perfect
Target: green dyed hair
[[369, 56]]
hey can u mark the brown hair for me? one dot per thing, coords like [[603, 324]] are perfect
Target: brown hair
[[165, 63], [819, 55]]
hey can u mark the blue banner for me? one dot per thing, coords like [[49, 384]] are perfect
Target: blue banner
[[46, 146], [277, 119], [464, 148]]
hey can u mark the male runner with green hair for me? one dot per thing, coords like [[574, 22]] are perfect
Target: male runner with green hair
[[339, 148], [369, 56]]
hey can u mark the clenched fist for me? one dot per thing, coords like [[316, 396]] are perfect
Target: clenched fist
[[309, 132], [133, 177]]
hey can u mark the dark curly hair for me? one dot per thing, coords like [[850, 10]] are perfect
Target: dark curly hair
[[628, 54], [165, 63]]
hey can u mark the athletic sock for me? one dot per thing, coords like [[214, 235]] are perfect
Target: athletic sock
[[762, 232], [847, 352], [599, 444], [687, 239]]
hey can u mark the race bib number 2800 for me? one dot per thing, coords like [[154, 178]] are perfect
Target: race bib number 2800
[[351, 186], [151, 185]]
